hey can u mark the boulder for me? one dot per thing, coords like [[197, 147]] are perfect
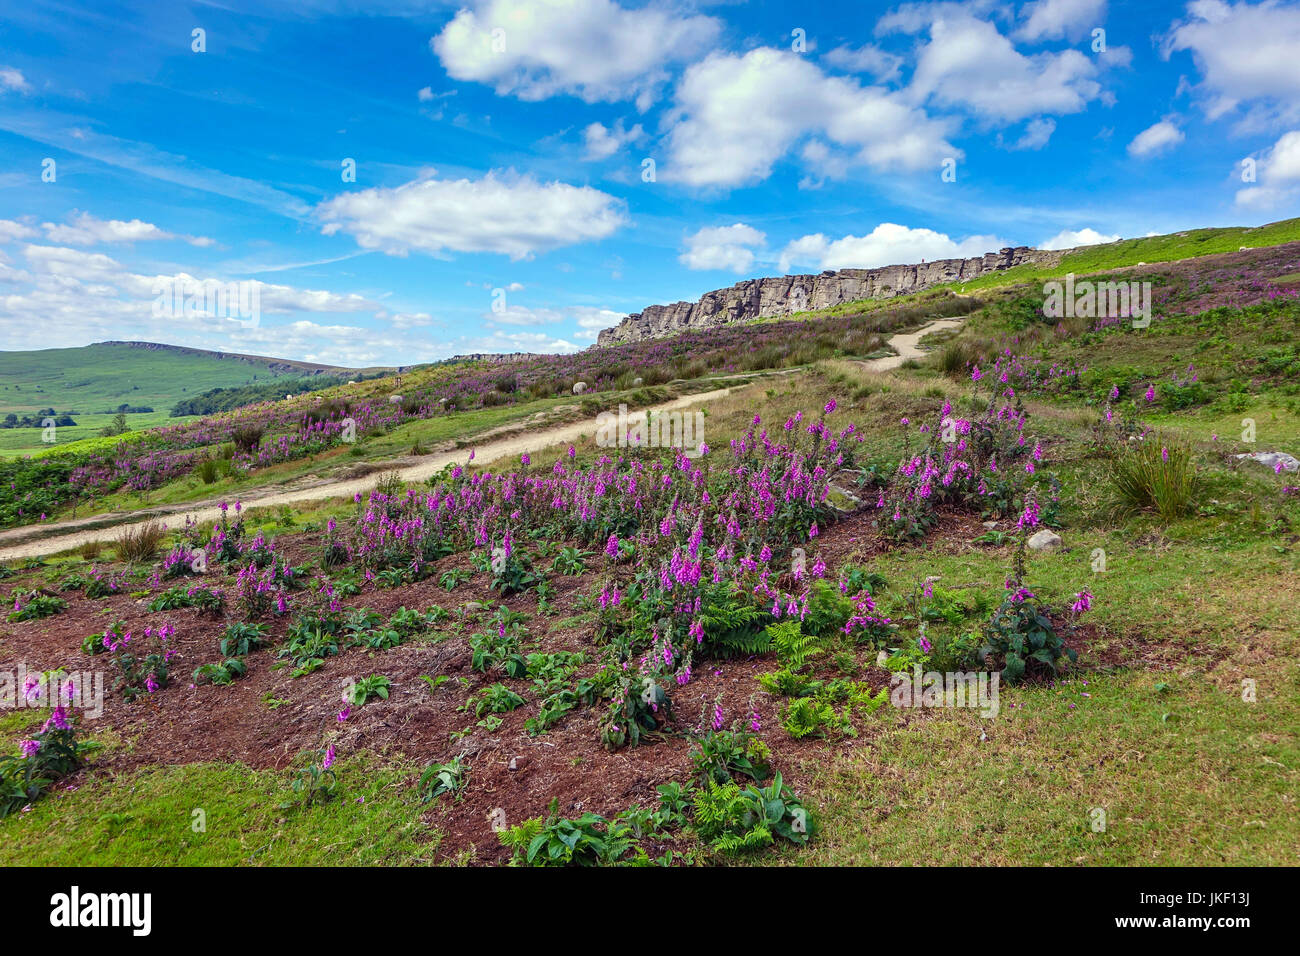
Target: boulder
[[579, 388], [1272, 459], [1045, 540]]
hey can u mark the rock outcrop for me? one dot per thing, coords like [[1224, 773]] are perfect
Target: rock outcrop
[[785, 295]]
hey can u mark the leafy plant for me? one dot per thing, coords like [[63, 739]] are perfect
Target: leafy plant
[[496, 699], [362, 691], [52, 753], [226, 672], [570, 561], [807, 716], [35, 607], [443, 778], [734, 821], [721, 753], [241, 637]]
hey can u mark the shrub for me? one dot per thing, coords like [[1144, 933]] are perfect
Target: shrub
[[1153, 474], [208, 471], [140, 542], [248, 437]]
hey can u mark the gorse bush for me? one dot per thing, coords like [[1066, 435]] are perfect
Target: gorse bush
[[1153, 474]]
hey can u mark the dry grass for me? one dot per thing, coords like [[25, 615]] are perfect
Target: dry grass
[[140, 542]]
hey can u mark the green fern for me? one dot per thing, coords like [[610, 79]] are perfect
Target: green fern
[[808, 716], [793, 646]]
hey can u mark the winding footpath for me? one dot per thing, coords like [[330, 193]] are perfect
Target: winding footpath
[[35, 540]]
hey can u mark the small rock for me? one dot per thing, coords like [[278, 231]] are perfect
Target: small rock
[[1045, 540], [990, 524], [517, 763], [579, 388], [636, 382], [395, 399], [1271, 459]]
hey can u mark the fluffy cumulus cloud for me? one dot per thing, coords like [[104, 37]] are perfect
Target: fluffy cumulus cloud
[[1156, 139], [1069, 239], [887, 244], [735, 116], [1247, 55], [868, 58], [86, 230], [968, 64], [594, 49], [1277, 176], [64, 296], [513, 215], [11, 229], [729, 248], [601, 141], [592, 320], [1060, 19]]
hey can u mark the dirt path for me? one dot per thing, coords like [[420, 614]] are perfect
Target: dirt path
[[905, 344], [64, 535], [33, 541]]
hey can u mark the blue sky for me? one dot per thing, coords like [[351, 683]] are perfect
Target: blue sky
[[502, 152]]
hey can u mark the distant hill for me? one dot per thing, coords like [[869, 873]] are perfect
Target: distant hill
[[94, 379]]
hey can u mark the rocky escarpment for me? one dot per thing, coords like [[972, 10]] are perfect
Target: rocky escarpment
[[785, 295]]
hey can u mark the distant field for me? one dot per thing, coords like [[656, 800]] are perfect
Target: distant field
[[98, 378], [27, 441]]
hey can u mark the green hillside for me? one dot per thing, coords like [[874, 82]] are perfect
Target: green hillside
[[98, 378]]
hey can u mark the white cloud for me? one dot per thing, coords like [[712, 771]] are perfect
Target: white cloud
[[86, 230], [887, 244], [12, 79], [735, 116], [11, 230], [867, 58], [1277, 176], [593, 49], [68, 297], [967, 63], [1037, 133], [1060, 19], [1069, 239], [722, 247], [425, 95], [602, 141], [592, 320], [1247, 55], [410, 320], [509, 214], [1155, 139]]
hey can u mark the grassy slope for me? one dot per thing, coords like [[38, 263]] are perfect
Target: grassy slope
[[97, 378]]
